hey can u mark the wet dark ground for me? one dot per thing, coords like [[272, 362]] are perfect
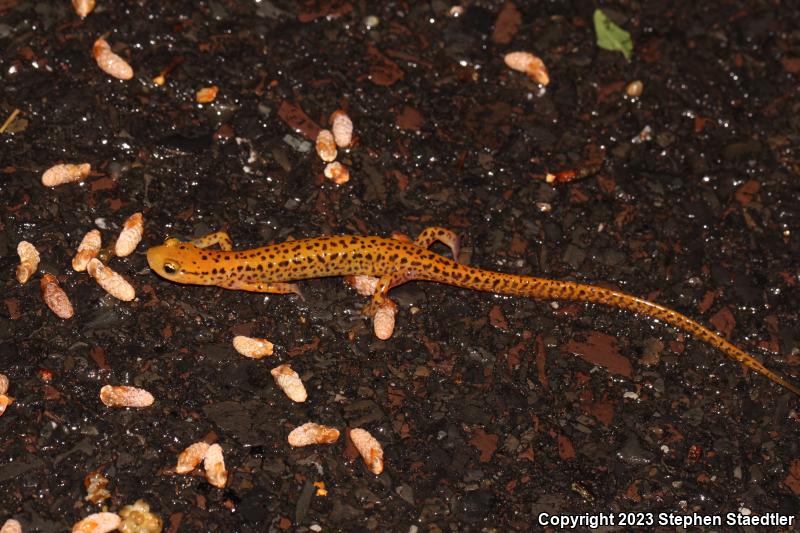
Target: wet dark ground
[[486, 414]]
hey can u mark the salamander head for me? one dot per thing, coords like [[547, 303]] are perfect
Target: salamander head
[[176, 261]]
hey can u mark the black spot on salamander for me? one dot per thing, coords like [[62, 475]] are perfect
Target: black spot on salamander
[[283, 264], [239, 268], [213, 270], [204, 257], [260, 267], [227, 258]]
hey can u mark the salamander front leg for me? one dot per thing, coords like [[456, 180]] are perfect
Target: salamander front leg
[[218, 237]]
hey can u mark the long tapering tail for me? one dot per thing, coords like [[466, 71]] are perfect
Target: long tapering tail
[[540, 288]]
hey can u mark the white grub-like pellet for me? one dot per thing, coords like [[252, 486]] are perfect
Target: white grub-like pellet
[[364, 285], [191, 457], [337, 173], [97, 523], [87, 250], [529, 64], [137, 518], [55, 297], [634, 89], [11, 526], [252, 347], [130, 236], [383, 321], [109, 62], [113, 283], [3, 384], [289, 381], [28, 261], [83, 7], [369, 448], [5, 401], [65, 173], [311, 433], [214, 466], [342, 128], [125, 396], [326, 146]]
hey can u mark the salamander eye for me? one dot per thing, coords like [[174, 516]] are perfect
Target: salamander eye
[[170, 268]]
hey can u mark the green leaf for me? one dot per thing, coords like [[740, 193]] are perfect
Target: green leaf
[[612, 37]]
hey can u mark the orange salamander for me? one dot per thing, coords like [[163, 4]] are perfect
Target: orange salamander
[[395, 261]]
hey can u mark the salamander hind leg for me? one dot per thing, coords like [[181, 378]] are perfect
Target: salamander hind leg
[[218, 237], [381, 309], [445, 236]]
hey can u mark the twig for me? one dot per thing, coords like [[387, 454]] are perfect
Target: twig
[[9, 120]]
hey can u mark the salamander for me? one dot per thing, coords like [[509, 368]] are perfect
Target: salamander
[[394, 261]]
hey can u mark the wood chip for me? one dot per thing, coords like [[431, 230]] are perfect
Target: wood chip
[[125, 396], [83, 7], [87, 250], [337, 173], [95, 484], [3, 384], [5, 401], [137, 518], [369, 448], [113, 283], [364, 285], [130, 236], [65, 173], [97, 523], [11, 526], [326, 146], [28, 261], [529, 64], [206, 95], [342, 128], [289, 381], [383, 321], [311, 433], [55, 297], [214, 465], [252, 347], [109, 62], [191, 457]]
